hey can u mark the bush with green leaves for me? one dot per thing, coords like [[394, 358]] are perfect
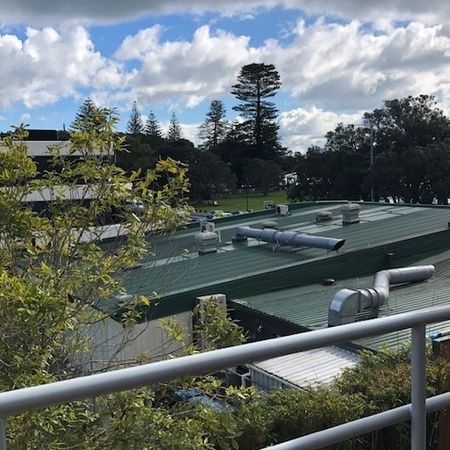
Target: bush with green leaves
[[53, 265]]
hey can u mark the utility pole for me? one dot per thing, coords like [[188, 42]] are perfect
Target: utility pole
[[371, 161]]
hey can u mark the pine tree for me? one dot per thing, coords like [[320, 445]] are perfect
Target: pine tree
[[152, 127], [90, 117], [214, 128], [255, 84], [174, 132], [135, 125]]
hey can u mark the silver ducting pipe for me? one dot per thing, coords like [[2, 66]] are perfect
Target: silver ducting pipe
[[289, 238], [351, 305]]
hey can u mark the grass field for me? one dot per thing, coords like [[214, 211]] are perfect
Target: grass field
[[255, 202]]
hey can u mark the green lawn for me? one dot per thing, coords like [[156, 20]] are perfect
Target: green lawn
[[239, 202]]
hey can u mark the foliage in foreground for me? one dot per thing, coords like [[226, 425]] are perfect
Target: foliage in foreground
[[53, 267]]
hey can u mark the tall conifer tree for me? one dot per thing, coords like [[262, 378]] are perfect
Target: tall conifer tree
[[135, 125], [256, 84], [174, 132], [152, 127], [214, 128]]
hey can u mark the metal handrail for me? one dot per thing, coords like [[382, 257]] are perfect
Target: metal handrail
[[20, 400]]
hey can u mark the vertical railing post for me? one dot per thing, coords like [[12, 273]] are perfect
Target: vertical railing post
[[2, 433], [418, 389]]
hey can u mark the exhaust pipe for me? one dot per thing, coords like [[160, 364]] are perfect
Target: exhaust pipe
[[289, 238], [351, 305]]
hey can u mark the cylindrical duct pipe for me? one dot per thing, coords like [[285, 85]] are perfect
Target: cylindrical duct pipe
[[349, 305], [290, 238]]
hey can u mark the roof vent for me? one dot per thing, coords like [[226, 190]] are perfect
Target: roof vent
[[324, 216], [350, 213], [207, 242], [123, 299], [288, 238], [282, 210], [353, 305]]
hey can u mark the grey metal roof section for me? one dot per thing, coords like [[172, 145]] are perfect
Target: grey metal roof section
[[304, 369]]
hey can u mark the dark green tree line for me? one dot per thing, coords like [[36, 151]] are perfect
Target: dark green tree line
[[411, 145]]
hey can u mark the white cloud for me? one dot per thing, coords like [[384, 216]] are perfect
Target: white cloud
[[338, 67], [303, 127], [107, 11], [342, 67], [184, 73], [49, 65]]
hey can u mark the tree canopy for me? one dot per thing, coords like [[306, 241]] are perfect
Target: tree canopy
[[411, 144], [256, 83]]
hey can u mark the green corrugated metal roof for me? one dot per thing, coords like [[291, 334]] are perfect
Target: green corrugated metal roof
[[308, 305], [167, 272]]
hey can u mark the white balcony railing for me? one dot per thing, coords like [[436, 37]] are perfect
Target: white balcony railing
[[17, 401]]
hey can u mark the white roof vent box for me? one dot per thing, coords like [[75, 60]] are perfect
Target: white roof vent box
[[324, 216], [207, 242], [350, 213], [282, 210]]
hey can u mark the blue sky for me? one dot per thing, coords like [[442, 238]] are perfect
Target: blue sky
[[336, 59]]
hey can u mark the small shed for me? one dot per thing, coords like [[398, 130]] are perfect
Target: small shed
[[304, 369]]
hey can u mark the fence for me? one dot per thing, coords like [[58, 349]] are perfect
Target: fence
[[14, 402]]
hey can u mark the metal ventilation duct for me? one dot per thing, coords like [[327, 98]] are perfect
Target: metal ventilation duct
[[351, 305], [289, 238]]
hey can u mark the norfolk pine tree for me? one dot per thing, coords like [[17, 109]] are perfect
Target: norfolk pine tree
[[152, 127], [214, 128], [90, 116], [135, 125], [256, 83], [174, 132]]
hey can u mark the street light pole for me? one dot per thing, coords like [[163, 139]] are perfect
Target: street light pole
[[371, 161]]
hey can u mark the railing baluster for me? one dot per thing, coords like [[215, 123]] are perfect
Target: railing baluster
[[2, 433], [418, 386]]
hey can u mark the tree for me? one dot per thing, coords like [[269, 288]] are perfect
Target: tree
[[152, 127], [135, 125], [407, 132], [207, 175], [214, 128], [256, 84], [263, 175], [174, 132], [50, 276], [92, 117], [139, 154]]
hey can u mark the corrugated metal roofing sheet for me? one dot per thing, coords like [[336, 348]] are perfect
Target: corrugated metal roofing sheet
[[308, 305], [309, 368], [379, 223]]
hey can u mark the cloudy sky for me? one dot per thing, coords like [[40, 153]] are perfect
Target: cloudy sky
[[336, 59]]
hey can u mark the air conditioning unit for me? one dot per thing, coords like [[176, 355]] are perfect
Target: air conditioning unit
[[282, 210]]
